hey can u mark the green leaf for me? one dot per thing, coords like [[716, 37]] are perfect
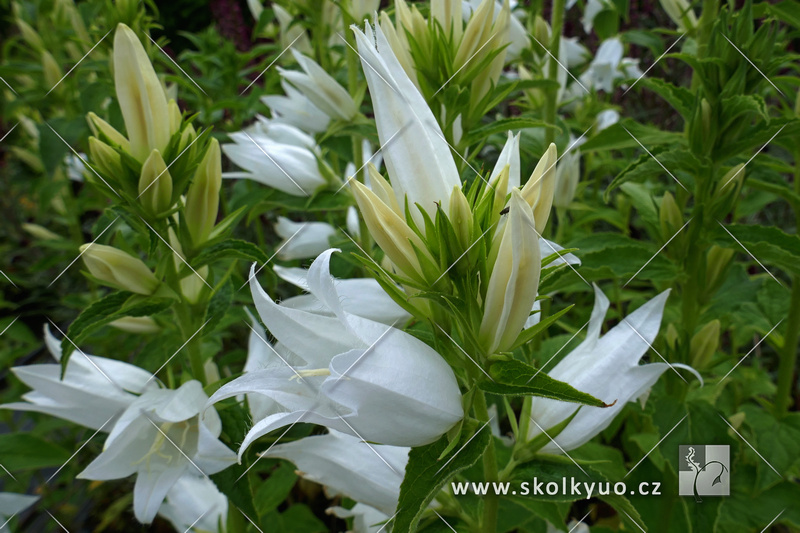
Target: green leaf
[[657, 163], [426, 474], [528, 334], [220, 302], [23, 451], [239, 491], [516, 378], [769, 245], [274, 490], [504, 125], [680, 98], [616, 138], [111, 307], [230, 249]]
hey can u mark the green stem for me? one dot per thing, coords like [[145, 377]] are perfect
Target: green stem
[[490, 502], [788, 356], [556, 27], [188, 330]]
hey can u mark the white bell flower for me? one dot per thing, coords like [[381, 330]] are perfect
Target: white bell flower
[[351, 374], [195, 503], [367, 473], [94, 391], [295, 108], [302, 240], [607, 367], [278, 155], [320, 87], [160, 437]]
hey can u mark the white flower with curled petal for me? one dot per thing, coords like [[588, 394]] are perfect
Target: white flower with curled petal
[[295, 108], [278, 155], [359, 296], [160, 437], [302, 240], [355, 375], [324, 91], [418, 159], [94, 391], [607, 367]]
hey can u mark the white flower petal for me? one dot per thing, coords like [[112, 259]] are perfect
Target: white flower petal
[[369, 474]]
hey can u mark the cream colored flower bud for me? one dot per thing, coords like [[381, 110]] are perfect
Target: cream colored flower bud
[[155, 184], [704, 344], [98, 125], [105, 158], [40, 232], [477, 32], [52, 72], [670, 216], [202, 199], [390, 231], [175, 117], [514, 281], [705, 113], [568, 175], [187, 137], [672, 336], [140, 94], [461, 217], [681, 13], [136, 324], [118, 269], [448, 14], [540, 187]]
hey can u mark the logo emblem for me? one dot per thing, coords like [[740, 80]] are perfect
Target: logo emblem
[[704, 470]]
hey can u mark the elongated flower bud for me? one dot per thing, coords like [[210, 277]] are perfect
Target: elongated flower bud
[[670, 216], [52, 72], [568, 175], [540, 187], [717, 261], [202, 199], [105, 158], [390, 231], [448, 14], [118, 269], [704, 344], [136, 324], [461, 217], [155, 184], [98, 125], [514, 280], [140, 94]]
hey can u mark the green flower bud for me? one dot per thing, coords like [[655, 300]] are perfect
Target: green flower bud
[[717, 261], [155, 184], [118, 269], [670, 217], [52, 72], [105, 158], [461, 217], [202, 199], [704, 344]]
